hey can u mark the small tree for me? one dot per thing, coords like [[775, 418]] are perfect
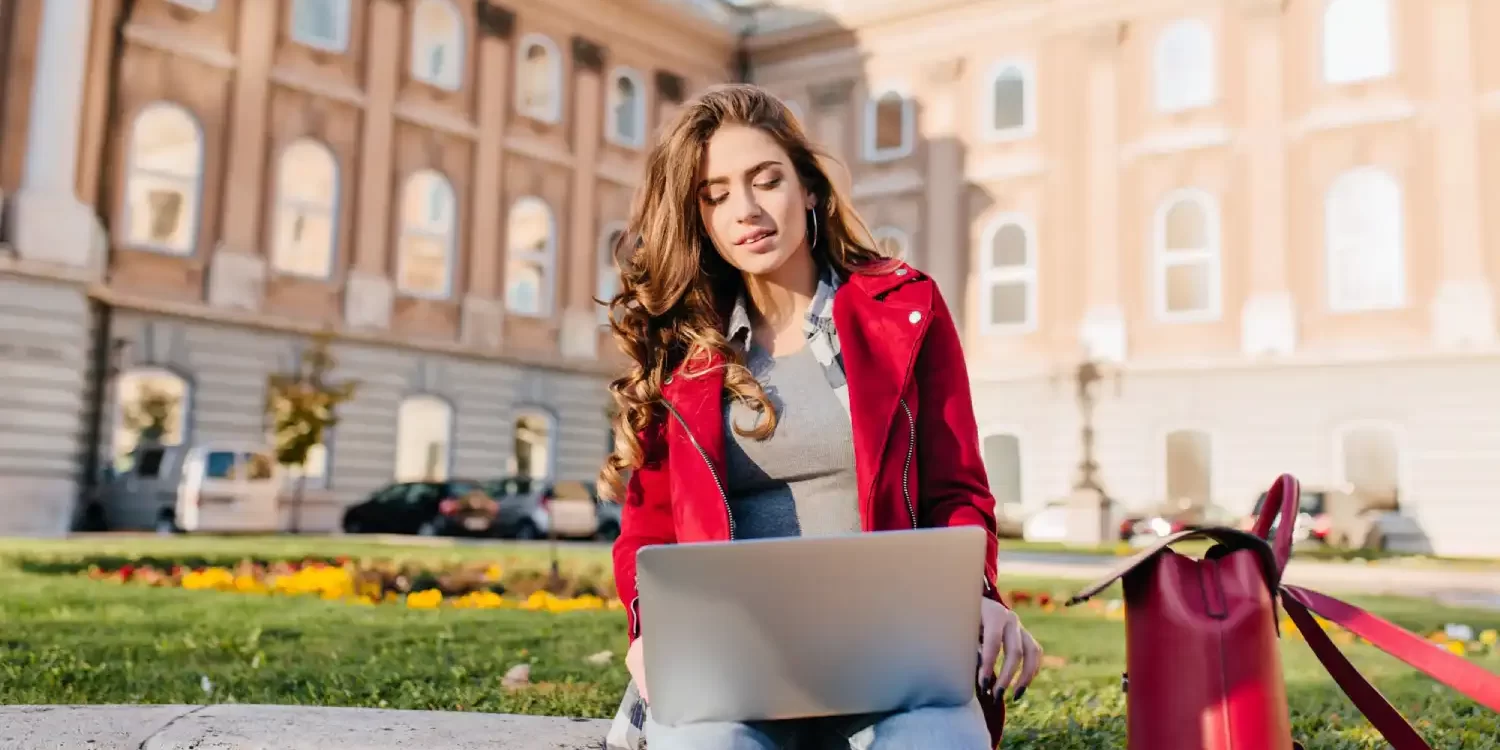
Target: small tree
[[151, 413], [303, 406]]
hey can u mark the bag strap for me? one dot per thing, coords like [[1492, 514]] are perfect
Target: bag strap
[[1284, 500], [1233, 539], [1452, 670]]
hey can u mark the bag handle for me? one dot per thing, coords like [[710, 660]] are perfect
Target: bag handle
[[1233, 539], [1283, 499]]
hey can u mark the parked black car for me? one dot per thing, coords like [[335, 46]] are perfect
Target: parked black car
[[456, 507]]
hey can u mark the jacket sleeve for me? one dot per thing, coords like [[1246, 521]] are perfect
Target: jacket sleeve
[[954, 489], [646, 519]]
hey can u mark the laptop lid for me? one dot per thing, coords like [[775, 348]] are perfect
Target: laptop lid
[[803, 627]]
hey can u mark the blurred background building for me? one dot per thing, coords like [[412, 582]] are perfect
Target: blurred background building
[[1269, 224]]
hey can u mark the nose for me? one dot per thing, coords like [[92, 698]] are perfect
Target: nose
[[744, 205]]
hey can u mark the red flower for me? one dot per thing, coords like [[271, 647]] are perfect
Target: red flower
[[126, 571]]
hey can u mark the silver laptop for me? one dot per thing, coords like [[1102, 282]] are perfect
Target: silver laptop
[[804, 627]]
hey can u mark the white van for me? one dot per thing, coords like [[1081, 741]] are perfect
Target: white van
[[218, 486]]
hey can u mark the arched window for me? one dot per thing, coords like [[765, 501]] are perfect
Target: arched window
[[198, 5], [321, 24], [890, 126], [1011, 96], [1357, 41], [1185, 66], [152, 405], [1187, 257], [437, 44], [892, 242], [627, 109], [1369, 460], [1009, 276], [535, 439], [531, 251], [539, 79], [429, 236], [424, 439], [1366, 263], [1002, 462], [306, 214], [1189, 468], [608, 275], [164, 179]]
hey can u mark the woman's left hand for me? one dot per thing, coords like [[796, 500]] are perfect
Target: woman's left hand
[[1001, 629]]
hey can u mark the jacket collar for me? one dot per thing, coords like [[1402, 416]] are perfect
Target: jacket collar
[[819, 313]]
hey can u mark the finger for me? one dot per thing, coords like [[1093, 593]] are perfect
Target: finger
[[1013, 645], [989, 650], [1031, 663]]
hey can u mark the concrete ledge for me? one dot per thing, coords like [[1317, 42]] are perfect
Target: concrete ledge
[[249, 727]]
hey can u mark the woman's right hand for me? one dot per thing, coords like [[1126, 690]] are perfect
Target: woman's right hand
[[635, 663]]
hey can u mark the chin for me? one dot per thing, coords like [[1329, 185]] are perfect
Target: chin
[[762, 264]]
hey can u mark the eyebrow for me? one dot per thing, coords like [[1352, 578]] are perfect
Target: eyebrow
[[751, 171]]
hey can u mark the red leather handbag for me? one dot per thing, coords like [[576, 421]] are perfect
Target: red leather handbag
[[1202, 667]]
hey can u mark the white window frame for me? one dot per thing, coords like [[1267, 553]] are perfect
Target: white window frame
[[890, 231], [451, 437], [147, 372], [531, 410], [1337, 302], [611, 114], [202, 6], [458, 40], [450, 247], [908, 123], [332, 208], [194, 217], [1176, 92], [1027, 128], [991, 275], [338, 44], [1342, 22], [1163, 258], [1398, 435], [546, 258], [1023, 448], [606, 282], [552, 114], [1163, 455]]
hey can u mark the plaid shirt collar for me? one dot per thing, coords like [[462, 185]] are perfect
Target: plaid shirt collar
[[819, 314]]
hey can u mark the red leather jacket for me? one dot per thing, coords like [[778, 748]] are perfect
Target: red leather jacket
[[916, 446]]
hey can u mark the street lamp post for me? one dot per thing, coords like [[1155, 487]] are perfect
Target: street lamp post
[[1088, 504]]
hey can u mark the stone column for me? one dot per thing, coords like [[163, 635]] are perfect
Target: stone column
[[1463, 313], [576, 266], [1103, 329], [237, 271], [48, 223], [830, 115], [944, 251], [483, 311], [1268, 321], [368, 291]]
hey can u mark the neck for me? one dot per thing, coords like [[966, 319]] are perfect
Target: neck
[[781, 298]]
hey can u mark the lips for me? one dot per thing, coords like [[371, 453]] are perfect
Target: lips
[[755, 236]]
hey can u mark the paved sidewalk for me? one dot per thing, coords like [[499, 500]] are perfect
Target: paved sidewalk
[[250, 727]]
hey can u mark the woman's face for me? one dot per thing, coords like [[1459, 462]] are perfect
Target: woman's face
[[752, 203]]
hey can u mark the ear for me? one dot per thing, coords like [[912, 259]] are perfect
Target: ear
[[812, 201]]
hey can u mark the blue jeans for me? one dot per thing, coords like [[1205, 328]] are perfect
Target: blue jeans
[[945, 727]]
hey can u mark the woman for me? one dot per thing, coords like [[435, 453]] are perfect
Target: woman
[[761, 327]]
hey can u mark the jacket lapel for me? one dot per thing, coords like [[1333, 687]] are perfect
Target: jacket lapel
[[880, 334], [694, 395]]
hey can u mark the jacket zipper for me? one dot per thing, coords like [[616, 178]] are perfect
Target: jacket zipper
[[723, 495], [911, 448]]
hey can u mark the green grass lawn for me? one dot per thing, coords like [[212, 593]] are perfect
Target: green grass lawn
[[67, 639]]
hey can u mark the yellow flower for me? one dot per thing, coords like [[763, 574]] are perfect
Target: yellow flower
[[492, 573], [1489, 637], [1455, 647], [429, 599]]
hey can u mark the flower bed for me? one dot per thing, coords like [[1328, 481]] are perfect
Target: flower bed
[[466, 586]]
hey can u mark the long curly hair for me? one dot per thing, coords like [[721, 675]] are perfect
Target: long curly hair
[[676, 291]]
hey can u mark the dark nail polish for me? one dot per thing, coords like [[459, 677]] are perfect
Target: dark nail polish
[[988, 684], [1018, 696]]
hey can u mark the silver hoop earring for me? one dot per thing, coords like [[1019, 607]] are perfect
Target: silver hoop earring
[[814, 217]]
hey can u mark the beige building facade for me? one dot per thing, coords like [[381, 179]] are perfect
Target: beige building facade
[[1272, 221]]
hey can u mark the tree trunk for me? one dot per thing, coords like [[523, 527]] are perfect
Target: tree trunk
[[297, 500]]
